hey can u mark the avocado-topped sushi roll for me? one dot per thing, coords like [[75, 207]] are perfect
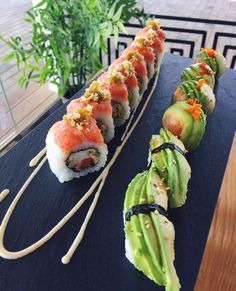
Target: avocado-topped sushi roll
[[75, 146], [139, 65], [142, 45], [187, 121], [197, 90], [167, 154], [115, 83], [214, 59], [149, 235], [127, 70], [199, 71], [100, 101]]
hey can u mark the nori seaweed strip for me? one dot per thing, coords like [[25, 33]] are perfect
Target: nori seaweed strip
[[168, 145], [144, 209]]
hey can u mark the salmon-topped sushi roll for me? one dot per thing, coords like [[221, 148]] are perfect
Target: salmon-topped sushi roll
[[100, 100], [139, 65], [155, 37], [142, 45], [154, 25], [115, 83], [127, 70], [75, 146], [151, 40]]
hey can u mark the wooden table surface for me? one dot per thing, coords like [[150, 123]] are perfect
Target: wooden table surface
[[218, 267]]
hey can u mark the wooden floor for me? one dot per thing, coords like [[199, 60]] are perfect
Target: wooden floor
[[218, 267], [27, 104]]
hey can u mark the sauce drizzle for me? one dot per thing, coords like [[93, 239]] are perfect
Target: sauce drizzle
[[37, 158], [3, 194], [99, 181]]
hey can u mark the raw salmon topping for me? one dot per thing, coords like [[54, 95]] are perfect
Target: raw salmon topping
[[69, 137], [119, 90]]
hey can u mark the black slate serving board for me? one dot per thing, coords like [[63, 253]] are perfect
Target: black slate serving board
[[99, 263]]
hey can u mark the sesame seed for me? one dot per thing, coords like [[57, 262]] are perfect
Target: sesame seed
[[156, 212], [142, 200], [174, 161], [139, 234], [166, 237], [146, 222], [167, 188], [162, 179], [148, 226], [166, 221]]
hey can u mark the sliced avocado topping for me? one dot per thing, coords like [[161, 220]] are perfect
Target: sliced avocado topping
[[192, 129], [151, 236], [177, 172]]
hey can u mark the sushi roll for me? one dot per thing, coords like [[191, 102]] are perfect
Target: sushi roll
[[167, 154], [155, 37], [115, 83], [141, 44], [126, 69], [139, 65], [155, 25], [152, 25], [149, 235], [197, 90], [100, 100], [75, 146], [187, 121], [199, 71], [214, 59]]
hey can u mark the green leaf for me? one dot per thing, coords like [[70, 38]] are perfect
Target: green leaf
[[66, 74], [92, 3], [116, 35], [118, 14], [8, 57], [111, 12], [122, 27]]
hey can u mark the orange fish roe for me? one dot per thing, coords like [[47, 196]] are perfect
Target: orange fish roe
[[200, 83], [209, 52], [195, 110], [203, 69]]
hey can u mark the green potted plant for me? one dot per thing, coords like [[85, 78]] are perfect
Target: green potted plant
[[67, 38]]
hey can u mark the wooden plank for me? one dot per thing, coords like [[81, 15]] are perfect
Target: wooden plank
[[37, 112], [218, 267], [24, 108], [16, 95]]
